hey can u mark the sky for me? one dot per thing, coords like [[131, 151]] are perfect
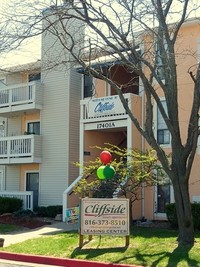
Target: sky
[[30, 51]]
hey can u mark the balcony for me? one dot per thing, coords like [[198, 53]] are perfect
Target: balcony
[[20, 98], [107, 108], [20, 149]]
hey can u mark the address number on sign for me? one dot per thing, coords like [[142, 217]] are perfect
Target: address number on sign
[[106, 125]]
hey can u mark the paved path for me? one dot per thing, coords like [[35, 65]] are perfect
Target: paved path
[[21, 236], [7, 263]]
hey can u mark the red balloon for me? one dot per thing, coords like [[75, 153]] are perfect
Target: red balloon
[[105, 157]]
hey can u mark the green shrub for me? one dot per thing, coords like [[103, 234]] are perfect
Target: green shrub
[[171, 214], [196, 215], [24, 213], [172, 217], [10, 205], [50, 211]]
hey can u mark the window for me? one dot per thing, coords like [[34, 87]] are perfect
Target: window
[[2, 129], [2, 83], [34, 77], [163, 197], [88, 84], [164, 194], [198, 48], [198, 141], [160, 59], [32, 184], [33, 127], [163, 135], [2, 180]]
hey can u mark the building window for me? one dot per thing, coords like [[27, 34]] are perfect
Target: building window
[[163, 197], [161, 54], [34, 77], [33, 127], [88, 86], [2, 83], [163, 135]]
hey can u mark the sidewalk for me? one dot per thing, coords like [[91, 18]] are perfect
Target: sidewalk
[[9, 263], [21, 236]]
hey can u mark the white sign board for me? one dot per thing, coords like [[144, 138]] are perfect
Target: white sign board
[[104, 216], [105, 106]]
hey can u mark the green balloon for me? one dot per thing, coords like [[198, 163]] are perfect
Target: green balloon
[[108, 172], [100, 173]]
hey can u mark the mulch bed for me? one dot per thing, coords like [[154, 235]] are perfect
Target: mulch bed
[[153, 224], [24, 221], [32, 222]]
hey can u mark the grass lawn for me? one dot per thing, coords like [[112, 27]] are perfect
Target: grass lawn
[[148, 247]]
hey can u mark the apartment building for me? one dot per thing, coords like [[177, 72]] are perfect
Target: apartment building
[[39, 125], [103, 119], [51, 117]]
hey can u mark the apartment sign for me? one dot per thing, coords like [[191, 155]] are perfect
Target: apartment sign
[[105, 106], [104, 216]]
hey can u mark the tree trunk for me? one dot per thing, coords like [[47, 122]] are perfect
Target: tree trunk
[[183, 211]]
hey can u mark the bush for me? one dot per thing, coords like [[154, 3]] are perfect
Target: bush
[[196, 215], [106, 189], [10, 205], [172, 217], [50, 211], [171, 214], [24, 213]]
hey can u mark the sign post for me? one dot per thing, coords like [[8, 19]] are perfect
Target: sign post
[[104, 216]]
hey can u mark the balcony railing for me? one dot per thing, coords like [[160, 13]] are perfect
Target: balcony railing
[[26, 196], [20, 149], [21, 97], [93, 109]]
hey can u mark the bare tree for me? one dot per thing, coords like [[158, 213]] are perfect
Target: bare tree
[[129, 31]]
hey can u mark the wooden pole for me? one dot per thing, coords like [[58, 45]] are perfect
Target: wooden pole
[[127, 240]]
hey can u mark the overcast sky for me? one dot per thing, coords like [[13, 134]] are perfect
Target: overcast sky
[[29, 52]]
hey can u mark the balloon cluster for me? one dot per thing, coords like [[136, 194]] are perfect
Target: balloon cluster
[[106, 171]]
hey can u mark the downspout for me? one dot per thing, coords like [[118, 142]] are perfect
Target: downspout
[[142, 146]]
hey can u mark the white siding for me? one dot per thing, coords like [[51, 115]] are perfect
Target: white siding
[[13, 178], [60, 135], [54, 118], [59, 117]]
